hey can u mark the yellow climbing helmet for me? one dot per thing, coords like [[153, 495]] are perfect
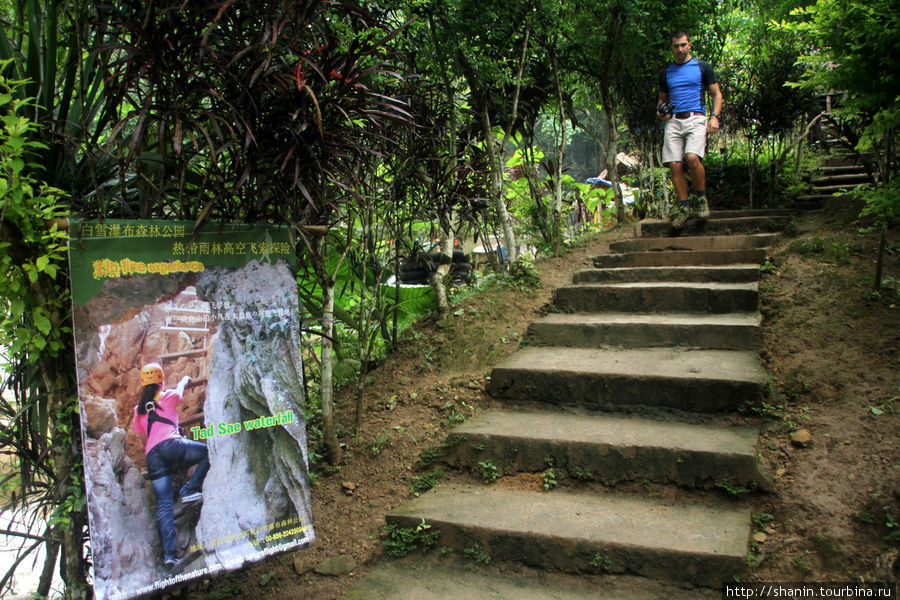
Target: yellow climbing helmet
[[152, 373]]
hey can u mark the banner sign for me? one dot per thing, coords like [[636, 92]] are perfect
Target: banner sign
[[190, 382]]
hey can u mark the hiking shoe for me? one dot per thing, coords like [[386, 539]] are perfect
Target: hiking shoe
[[702, 207], [191, 497], [681, 214], [169, 560]]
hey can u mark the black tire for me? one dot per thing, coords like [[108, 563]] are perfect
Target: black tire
[[416, 266], [423, 281], [459, 257], [414, 276]]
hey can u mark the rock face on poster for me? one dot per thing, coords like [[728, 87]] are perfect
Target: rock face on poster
[[218, 312]]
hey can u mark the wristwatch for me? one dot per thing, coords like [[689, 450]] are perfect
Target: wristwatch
[[716, 115]]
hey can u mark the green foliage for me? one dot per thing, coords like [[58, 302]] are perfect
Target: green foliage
[[423, 483], [38, 427], [400, 541], [380, 442], [851, 42], [882, 516], [583, 474], [73, 500], [756, 67], [601, 562], [882, 204], [831, 250], [454, 417], [732, 489], [524, 273], [799, 561], [31, 251], [489, 471], [865, 516], [773, 407], [548, 479], [729, 172], [793, 385], [762, 519], [428, 456], [477, 555]]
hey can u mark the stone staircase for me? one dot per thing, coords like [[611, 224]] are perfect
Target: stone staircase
[[630, 381], [841, 176]]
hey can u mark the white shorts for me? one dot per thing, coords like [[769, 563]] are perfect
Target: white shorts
[[683, 136]]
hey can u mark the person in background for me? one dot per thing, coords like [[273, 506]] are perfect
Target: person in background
[[167, 452], [681, 105]]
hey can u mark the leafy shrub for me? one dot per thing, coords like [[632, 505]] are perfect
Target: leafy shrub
[[400, 541]]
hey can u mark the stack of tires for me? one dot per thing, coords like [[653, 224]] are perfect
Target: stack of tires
[[420, 269]]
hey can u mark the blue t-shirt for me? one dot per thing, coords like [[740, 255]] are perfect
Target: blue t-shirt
[[686, 83]]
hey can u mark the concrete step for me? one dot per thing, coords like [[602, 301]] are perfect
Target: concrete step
[[735, 331], [611, 379], [419, 577], [723, 274], [752, 212], [609, 449], [812, 198], [704, 545], [659, 297], [843, 157], [731, 242], [836, 189], [854, 178], [681, 257], [843, 169], [710, 226]]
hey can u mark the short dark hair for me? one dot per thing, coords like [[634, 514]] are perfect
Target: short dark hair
[[681, 33]]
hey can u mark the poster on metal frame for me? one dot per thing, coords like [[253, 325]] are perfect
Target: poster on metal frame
[[190, 384]]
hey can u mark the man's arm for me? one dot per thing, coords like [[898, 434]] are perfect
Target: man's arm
[[716, 94]]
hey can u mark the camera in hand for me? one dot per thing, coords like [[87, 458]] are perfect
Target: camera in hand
[[665, 108]]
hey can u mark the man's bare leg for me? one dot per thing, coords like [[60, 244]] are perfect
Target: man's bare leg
[[698, 177], [698, 174], [676, 170]]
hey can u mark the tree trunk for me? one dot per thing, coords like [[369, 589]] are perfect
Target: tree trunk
[[879, 262], [608, 97], [64, 433], [363, 322], [770, 199], [329, 437], [497, 199], [395, 313], [752, 167], [495, 158], [612, 170], [46, 580], [560, 155], [440, 277], [63, 430], [317, 252]]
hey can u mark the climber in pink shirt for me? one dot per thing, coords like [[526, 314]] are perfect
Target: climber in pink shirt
[[156, 416]]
